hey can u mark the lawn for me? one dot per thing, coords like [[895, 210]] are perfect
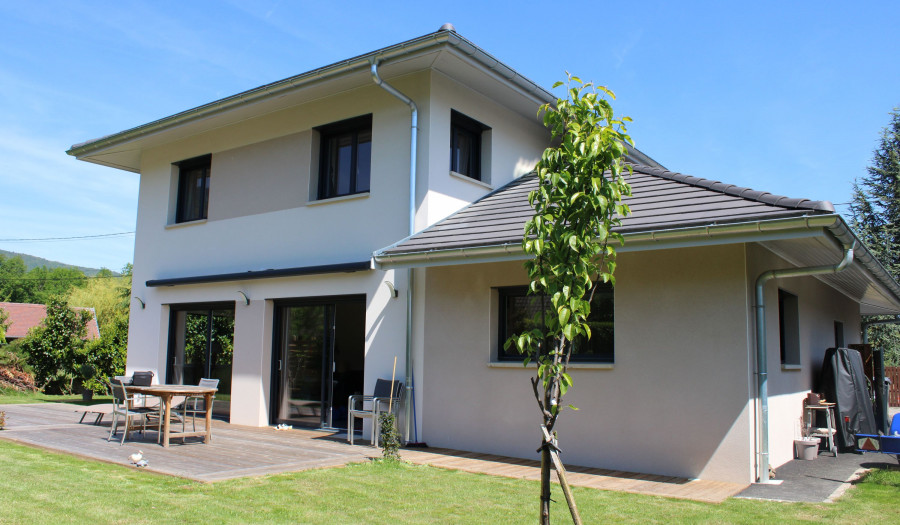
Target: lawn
[[14, 397], [43, 487]]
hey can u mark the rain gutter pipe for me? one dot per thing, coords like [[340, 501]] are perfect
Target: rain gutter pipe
[[762, 462], [414, 127]]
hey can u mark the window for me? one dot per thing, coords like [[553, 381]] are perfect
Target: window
[[789, 327], [345, 157], [838, 334], [465, 145], [193, 189], [520, 311]]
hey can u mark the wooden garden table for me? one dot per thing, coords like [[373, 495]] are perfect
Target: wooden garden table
[[166, 393]]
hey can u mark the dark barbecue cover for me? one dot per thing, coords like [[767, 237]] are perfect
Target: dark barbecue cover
[[844, 382]]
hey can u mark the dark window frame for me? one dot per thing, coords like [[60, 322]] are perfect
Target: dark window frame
[[353, 127], [472, 129], [512, 355], [789, 328], [186, 172]]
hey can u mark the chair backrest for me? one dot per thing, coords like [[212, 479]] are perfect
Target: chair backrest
[[142, 378], [209, 383], [383, 388], [120, 396], [895, 424]]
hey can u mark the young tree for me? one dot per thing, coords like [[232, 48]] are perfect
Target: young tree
[[875, 209], [578, 201]]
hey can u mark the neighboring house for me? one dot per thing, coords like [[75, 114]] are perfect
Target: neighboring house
[[283, 212], [23, 317]]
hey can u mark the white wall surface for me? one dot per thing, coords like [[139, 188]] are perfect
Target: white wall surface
[[676, 401], [820, 307], [516, 144]]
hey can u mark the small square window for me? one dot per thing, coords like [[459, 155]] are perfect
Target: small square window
[[193, 189], [789, 327], [345, 157], [465, 145], [519, 312]]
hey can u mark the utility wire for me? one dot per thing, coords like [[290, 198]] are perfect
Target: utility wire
[[73, 238]]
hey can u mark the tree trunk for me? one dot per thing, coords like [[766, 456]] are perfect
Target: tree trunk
[[545, 486]]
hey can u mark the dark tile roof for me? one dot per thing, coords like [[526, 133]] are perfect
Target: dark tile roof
[[660, 200], [24, 316]]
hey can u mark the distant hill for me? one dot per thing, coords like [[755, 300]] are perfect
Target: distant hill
[[32, 261]]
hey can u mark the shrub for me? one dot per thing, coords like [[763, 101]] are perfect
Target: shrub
[[390, 439]]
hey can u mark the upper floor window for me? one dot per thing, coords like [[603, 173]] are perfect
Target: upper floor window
[[465, 145], [519, 312], [345, 157], [193, 188]]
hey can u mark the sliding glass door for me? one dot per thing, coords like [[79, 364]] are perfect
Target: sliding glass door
[[318, 361], [201, 345]]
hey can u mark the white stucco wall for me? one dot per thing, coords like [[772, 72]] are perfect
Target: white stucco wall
[[260, 217], [676, 401], [514, 147], [819, 306]]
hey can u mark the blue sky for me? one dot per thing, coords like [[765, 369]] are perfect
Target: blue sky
[[786, 97]]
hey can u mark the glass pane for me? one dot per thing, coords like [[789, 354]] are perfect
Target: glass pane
[[303, 341], [194, 188], [601, 321], [363, 161], [222, 350], [344, 155], [463, 153], [349, 358], [195, 355]]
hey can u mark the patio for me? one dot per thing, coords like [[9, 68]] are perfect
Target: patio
[[238, 451]]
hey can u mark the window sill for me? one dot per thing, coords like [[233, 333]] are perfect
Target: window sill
[[185, 223], [471, 180], [572, 366], [791, 368], [342, 198]]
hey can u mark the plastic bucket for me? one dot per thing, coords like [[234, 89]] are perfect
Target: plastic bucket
[[806, 449]]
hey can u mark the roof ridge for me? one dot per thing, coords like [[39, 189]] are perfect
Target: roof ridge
[[734, 190]]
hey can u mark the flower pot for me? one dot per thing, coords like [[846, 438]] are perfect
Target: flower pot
[[87, 395], [806, 449]]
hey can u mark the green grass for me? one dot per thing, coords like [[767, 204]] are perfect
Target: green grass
[[42, 487], [14, 397]]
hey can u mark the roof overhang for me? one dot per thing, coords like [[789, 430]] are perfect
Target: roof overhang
[[804, 241], [321, 269], [445, 51]]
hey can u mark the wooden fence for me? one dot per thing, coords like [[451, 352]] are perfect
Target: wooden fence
[[893, 373]]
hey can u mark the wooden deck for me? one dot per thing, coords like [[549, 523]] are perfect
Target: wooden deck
[[238, 451]]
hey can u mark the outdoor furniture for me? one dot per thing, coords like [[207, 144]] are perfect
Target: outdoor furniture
[[194, 405], [887, 444], [166, 393], [97, 411], [124, 406], [370, 407], [827, 432]]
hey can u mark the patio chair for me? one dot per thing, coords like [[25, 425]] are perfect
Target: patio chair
[[194, 405], [124, 406], [370, 407]]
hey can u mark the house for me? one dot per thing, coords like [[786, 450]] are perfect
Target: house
[[23, 317], [294, 239]]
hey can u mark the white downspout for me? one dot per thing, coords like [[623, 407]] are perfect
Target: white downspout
[[762, 461], [414, 127]]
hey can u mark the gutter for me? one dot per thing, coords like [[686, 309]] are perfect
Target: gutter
[[414, 119], [762, 462]]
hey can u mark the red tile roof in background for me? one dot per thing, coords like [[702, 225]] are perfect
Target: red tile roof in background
[[23, 316]]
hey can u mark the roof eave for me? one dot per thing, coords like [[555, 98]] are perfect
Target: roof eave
[[403, 49]]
